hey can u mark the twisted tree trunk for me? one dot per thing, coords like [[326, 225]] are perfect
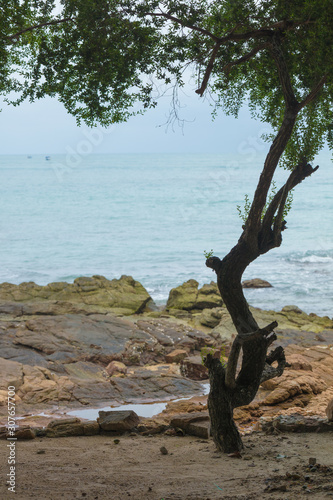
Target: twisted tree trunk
[[262, 232]]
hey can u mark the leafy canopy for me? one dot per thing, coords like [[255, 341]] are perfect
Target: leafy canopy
[[106, 60]]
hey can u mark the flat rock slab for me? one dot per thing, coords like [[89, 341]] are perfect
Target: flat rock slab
[[65, 358], [296, 423], [121, 420], [71, 427], [195, 424]]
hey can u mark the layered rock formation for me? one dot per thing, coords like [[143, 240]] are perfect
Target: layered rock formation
[[65, 344], [86, 295], [72, 359]]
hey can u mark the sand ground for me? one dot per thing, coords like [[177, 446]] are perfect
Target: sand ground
[[95, 467]]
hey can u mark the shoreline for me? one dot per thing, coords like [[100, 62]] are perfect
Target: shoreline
[[253, 294], [101, 343]]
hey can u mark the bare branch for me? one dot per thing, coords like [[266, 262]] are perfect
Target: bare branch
[[209, 70], [262, 332], [270, 371], [302, 171], [271, 237]]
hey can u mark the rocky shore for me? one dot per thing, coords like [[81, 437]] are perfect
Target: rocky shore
[[101, 342]]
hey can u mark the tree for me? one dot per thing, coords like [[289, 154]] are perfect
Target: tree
[[107, 60]]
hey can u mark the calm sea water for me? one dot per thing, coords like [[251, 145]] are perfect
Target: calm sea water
[[152, 217]]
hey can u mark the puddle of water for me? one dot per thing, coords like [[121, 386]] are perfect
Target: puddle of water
[[142, 410]]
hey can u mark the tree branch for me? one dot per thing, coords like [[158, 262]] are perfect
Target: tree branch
[[263, 333], [41, 25], [270, 371], [283, 72], [214, 263], [246, 57], [264, 32], [209, 70], [316, 89], [277, 148], [184, 24], [271, 237]]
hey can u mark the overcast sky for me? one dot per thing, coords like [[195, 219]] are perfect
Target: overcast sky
[[45, 127]]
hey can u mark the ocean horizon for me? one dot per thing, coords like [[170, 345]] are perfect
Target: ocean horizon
[[152, 216]]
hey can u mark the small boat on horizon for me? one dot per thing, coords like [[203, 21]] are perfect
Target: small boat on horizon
[[47, 157]]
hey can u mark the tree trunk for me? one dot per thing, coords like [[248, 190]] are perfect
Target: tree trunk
[[223, 427]]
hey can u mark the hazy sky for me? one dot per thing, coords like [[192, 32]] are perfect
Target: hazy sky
[[45, 127]]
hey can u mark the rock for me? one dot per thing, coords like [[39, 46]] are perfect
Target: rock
[[163, 450], [176, 356], [291, 321], [21, 433], [118, 420], [91, 428], [302, 391], [295, 423], [155, 382], [25, 433], [211, 317], [329, 411], [151, 426], [295, 309], [189, 297], [71, 427], [96, 294], [65, 428], [195, 424], [193, 368], [187, 406], [256, 283], [40, 386], [290, 384], [208, 297], [225, 329], [11, 375], [115, 367], [68, 356], [298, 362], [63, 421]]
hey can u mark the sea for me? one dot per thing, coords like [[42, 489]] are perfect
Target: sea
[[153, 216]]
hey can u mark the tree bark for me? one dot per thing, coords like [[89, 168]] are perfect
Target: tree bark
[[229, 390], [223, 428]]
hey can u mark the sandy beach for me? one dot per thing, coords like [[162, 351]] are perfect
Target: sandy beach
[[95, 467]]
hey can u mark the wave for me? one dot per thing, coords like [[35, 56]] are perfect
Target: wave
[[310, 258], [314, 259]]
